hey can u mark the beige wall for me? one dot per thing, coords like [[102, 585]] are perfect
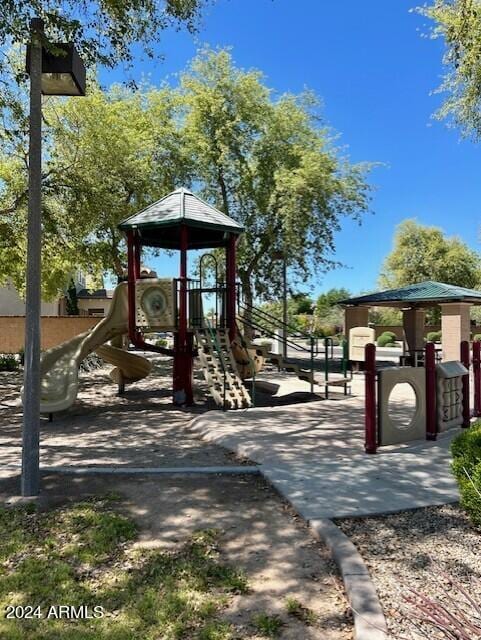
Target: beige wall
[[11, 304], [54, 331], [355, 317], [413, 323], [455, 327], [84, 304]]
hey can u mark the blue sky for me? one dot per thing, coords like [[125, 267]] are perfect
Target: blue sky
[[375, 74]]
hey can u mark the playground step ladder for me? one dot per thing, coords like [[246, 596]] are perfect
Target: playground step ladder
[[303, 374], [220, 370]]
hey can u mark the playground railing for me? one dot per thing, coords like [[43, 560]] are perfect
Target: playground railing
[[263, 321], [218, 348]]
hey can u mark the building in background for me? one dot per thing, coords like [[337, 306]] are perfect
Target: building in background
[[92, 299], [11, 303]]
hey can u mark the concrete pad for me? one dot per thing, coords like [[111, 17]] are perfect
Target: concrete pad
[[314, 455]]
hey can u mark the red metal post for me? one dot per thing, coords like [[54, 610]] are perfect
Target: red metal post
[[183, 285], [465, 360], [430, 367], [137, 254], [182, 382], [477, 377], [230, 282], [370, 443]]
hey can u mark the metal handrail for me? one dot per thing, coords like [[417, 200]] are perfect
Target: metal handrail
[[221, 357], [270, 316], [272, 334]]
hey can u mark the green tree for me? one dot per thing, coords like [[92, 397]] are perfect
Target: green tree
[[425, 253], [269, 162], [326, 301], [72, 300], [304, 303], [104, 32], [385, 316], [458, 22], [112, 155], [106, 157]]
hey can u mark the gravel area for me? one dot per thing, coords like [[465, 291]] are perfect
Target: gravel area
[[421, 551]]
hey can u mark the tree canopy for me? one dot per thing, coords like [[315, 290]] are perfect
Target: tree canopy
[[326, 301], [269, 162], [107, 156], [424, 253], [266, 160], [459, 23], [103, 31]]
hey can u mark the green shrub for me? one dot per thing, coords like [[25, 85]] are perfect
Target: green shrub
[[161, 342], [8, 362], [386, 339], [477, 337], [466, 450], [327, 330], [434, 336]]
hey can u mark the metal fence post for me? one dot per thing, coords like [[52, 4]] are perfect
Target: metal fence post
[[477, 377], [430, 366], [465, 360], [370, 444], [31, 411]]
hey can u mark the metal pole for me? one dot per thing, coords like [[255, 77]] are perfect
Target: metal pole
[[284, 307], [477, 377], [31, 412], [230, 282], [370, 444], [465, 360], [430, 371]]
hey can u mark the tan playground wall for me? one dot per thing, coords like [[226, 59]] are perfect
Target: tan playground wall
[[55, 329]]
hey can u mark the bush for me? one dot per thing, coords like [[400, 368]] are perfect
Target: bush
[[466, 450], [327, 330], [161, 342], [8, 362], [434, 336], [477, 337], [387, 339]]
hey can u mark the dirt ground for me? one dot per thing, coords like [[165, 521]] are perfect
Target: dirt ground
[[259, 533]]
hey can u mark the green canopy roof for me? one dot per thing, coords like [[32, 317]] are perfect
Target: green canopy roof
[[422, 294], [159, 224]]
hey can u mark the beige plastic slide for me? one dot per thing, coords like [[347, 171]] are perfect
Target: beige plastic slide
[[59, 365]]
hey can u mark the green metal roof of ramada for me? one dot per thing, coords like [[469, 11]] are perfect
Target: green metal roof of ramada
[[428, 292], [181, 207]]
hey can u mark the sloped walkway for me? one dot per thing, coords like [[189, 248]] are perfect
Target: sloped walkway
[[313, 454]]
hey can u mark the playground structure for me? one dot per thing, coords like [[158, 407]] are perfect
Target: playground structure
[[442, 396], [181, 221]]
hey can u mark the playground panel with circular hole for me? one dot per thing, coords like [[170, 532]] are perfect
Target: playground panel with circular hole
[[401, 420]]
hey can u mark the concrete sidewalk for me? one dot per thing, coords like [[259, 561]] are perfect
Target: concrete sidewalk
[[313, 453]]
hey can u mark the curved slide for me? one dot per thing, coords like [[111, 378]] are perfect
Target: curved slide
[[59, 365]]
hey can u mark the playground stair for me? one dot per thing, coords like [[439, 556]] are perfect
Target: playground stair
[[219, 368], [306, 375]]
